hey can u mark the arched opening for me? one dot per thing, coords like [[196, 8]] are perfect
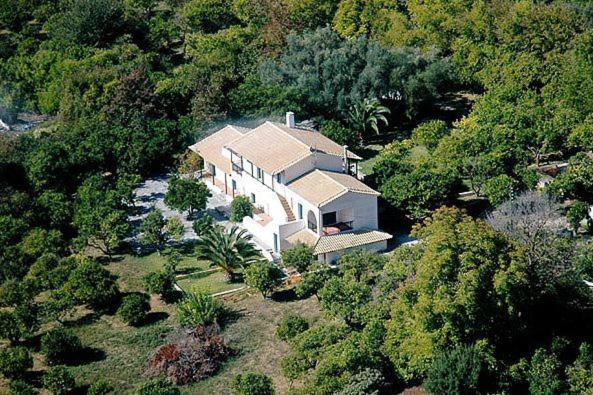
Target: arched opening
[[312, 221]]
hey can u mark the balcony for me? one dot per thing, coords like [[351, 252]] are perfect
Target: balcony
[[237, 168], [337, 228]]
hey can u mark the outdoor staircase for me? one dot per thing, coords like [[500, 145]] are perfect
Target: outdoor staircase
[[289, 214]]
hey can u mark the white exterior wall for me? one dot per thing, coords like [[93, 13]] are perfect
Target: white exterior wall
[[299, 168], [329, 162], [294, 199], [364, 210], [288, 229]]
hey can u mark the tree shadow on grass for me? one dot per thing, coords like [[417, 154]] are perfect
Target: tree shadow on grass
[[85, 356], [154, 317], [285, 295], [229, 316], [87, 319]]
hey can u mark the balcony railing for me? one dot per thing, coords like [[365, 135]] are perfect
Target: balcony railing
[[237, 168], [336, 228]]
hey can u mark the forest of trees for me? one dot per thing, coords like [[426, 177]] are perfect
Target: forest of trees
[[128, 84]]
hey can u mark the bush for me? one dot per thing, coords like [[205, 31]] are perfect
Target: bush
[[457, 371], [263, 276], [241, 207], [160, 283], [198, 309], [59, 380], [194, 355], [203, 224], [430, 133], [252, 384], [15, 361], [9, 327], [19, 387], [158, 387], [368, 381], [340, 134], [499, 189], [290, 326], [576, 213], [59, 345], [133, 308], [100, 387], [300, 257], [91, 284]]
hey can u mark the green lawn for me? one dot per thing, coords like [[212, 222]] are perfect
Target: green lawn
[[210, 282], [119, 352], [371, 155]]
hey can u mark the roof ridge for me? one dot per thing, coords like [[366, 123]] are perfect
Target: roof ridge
[[275, 125], [211, 135]]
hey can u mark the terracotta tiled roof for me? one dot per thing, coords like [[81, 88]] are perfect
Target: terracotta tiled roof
[[320, 187], [270, 148], [343, 241], [274, 147], [211, 147], [315, 139], [304, 236]]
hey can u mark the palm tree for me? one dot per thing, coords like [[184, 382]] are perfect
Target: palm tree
[[228, 250], [366, 116]]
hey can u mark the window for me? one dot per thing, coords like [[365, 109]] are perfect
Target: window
[[329, 218], [260, 174], [275, 242], [278, 179], [300, 211], [253, 198], [234, 185]]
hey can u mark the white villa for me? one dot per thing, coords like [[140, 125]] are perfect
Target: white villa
[[299, 182]]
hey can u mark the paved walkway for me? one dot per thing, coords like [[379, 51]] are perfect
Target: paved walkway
[[152, 192]]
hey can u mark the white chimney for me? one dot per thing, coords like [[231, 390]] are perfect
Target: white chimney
[[345, 158], [290, 119]]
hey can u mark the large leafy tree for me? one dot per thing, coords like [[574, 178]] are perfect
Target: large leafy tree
[[230, 250], [187, 194], [322, 74], [462, 285], [100, 215]]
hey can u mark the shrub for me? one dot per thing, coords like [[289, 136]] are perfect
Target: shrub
[[203, 224], [430, 133], [456, 371], [195, 354], [158, 387], [499, 189], [252, 384], [368, 381], [241, 207], [9, 327], [263, 276], [160, 283], [100, 387], [91, 284], [290, 326], [198, 309], [15, 361], [133, 308], [576, 213], [59, 345], [59, 381], [340, 134], [544, 373], [19, 387], [300, 257]]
